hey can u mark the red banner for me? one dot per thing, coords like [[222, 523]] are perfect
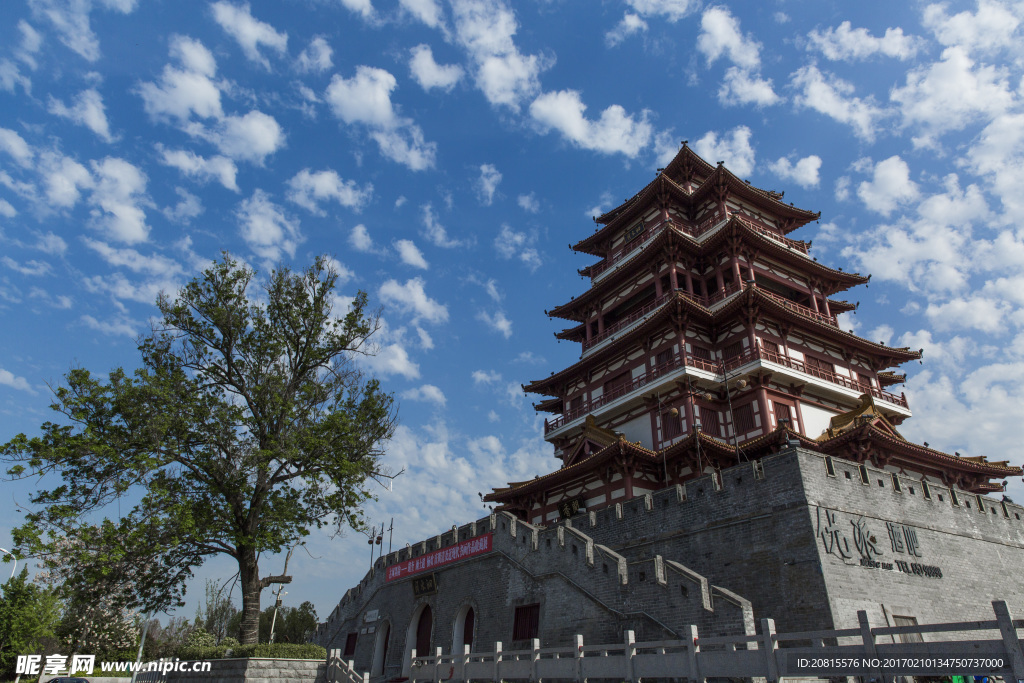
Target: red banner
[[439, 558]]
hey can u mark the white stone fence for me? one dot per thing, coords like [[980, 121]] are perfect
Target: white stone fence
[[769, 655]]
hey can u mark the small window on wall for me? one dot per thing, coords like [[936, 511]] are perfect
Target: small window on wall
[[783, 412], [820, 366], [896, 485], [981, 504], [734, 349], [908, 637], [955, 499], [350, 644], [700, 352], [709, 421], [671, 426], [744, 419], [864, 475], [770, 346], [830, 467], [926, 490], [663, 357], [576, 402], [526, 622]]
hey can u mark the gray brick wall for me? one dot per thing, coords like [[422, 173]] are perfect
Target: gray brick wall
[[720, 559]]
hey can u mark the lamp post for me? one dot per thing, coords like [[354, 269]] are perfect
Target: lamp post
[[13, 557]]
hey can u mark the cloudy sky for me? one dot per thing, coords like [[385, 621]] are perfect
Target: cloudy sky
[[445, 152]]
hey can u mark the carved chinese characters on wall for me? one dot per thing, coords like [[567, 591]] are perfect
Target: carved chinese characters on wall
[[852, 540]]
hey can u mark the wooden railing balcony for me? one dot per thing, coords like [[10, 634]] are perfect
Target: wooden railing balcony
[[695, 231], [719, 368], [639, 313], [762, 229], [785, 361], [801, 309]]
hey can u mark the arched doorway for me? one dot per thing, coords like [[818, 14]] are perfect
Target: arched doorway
[[423, 626], [418, 635], [380, 649], [462, 634]]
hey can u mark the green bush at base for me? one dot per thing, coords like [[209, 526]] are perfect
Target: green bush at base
[[263, 650]]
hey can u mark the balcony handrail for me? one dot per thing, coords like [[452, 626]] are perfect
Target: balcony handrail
[[763, 229], [801, 309], [723, 367], [626, 322]]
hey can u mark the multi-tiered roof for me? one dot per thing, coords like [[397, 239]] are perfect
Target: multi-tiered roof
[[709, 336]]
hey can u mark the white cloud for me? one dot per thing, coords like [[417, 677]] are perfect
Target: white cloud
[[429, 74], [529, 203], [118, 195], [120, 326], [427, 11], [406, 146], [8, 378], [989, 29], [734, 150], [308, 189], [390, 360], [497, 322], [804, 172], [519, 245], [741, 86], [410, 254], [182, 92], [614, 132], [250, 33], [721, 36], [366, 99], [364, 8], [360, 240], [133, 260], [629, 25], [64, 178], [202, 169], [948, 94], [11, 78], [485, 29], [412, 299], [7, 210], [487, 183], [265, 227], [427, 393], [15, 145], [998, 155], [31, 268], [889, 187], [486, 377], [316, 57], [833, 97], [671, 10], [434, 231], [845, 43], [87, 110], [187, 208], [71, 21], [31, 41], [251, 137]]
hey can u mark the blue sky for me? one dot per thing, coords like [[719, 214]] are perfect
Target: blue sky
[[446, 152]]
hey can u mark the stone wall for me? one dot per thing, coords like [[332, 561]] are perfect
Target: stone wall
[[783, 540], [251, 670]]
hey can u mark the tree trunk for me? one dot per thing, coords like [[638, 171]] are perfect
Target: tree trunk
[[249, 573]]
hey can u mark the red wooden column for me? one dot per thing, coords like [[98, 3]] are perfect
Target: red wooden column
[[737, 278], [814, 297], [719, 279]]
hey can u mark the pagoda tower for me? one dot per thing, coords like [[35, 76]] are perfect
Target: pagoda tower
[[709, 338]]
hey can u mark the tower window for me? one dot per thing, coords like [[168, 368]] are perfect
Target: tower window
[[864, 474], [671, 426], [526, 622], [744, 419]]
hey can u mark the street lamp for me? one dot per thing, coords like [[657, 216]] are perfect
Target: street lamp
[[13, 557]]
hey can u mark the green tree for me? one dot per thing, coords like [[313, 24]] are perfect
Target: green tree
[[28, 614], [216, 612], [246, 424]]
